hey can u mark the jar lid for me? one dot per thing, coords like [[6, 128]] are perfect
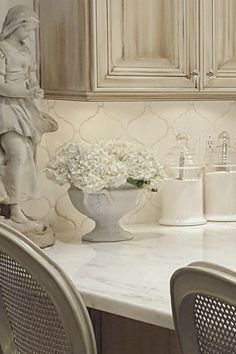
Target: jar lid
[[181, 159], [181, 155], [224, 154]]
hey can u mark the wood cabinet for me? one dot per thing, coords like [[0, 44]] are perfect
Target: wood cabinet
[[135, 49], [144, 45], [218, 40], [120, 335]]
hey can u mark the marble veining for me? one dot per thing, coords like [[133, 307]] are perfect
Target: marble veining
[[131, 278]]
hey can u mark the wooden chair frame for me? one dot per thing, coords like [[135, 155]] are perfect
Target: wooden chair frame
[[56, 284], [202, 278]]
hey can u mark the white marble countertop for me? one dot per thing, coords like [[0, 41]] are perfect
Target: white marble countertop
[[131, 278]]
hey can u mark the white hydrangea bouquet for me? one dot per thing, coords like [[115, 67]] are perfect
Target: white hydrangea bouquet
[[105, 165]]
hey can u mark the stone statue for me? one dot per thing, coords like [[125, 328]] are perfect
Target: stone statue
[[22, 124]]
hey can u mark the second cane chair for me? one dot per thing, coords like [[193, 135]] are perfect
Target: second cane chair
[[203, 299]]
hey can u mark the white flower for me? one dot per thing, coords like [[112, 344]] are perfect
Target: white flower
[[107, 164]]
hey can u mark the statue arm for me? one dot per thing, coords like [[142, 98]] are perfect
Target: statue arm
[[11, 89], [2, 68], [34, 81], [2, 64], [33, 77], [14, 91]]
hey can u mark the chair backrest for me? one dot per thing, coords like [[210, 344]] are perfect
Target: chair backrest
[[40, 310], [203, 297]]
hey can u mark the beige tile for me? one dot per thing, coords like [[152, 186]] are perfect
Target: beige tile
[[100, 126], [75, 112], [38, 208], [212, 110], [228, 123], [61, 137], [124, 111], [147, 128], [64, 229], [163, 146], [191, 123], [65, 209], [170, 110]]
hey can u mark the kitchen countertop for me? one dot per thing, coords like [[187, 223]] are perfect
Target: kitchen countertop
[[131, 278]]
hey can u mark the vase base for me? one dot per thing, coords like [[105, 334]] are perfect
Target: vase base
[[101, 236]]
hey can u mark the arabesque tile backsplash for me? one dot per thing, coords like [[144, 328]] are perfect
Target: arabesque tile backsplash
[[154, 124]]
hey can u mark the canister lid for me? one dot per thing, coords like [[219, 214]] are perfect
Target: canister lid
[[181, 162], [224, 154]]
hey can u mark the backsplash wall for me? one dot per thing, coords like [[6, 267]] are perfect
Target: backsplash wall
[[154, 124]]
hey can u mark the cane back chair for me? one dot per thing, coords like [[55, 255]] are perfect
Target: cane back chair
[[203, 297], [40, 310]]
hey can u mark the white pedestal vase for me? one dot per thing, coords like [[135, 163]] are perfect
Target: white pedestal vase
[[106, 208]]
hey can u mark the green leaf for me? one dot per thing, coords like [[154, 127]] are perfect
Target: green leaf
[[135, 182]]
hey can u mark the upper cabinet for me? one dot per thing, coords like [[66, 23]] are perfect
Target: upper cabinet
[[136, 49], [145, 47], [218, 44]]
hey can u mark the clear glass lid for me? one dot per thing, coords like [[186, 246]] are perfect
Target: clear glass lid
[[223, 157], [181, 163]]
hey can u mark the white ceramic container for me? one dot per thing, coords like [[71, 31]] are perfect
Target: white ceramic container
[[220, 181], [220, 196], [182, 192], [182, 202]]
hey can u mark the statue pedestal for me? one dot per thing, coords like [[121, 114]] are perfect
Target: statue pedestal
[[42, 236]]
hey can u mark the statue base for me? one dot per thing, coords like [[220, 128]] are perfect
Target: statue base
[[38, 232]]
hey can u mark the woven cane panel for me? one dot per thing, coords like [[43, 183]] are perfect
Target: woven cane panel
[[215, 322], [36, 325]]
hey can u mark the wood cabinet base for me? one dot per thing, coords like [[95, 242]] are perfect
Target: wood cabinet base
[[120, 335]]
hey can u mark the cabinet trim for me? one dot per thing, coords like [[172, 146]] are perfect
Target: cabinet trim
[[118, 96]]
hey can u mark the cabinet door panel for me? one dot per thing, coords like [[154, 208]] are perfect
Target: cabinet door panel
[[148, 44], [219, 45], [64, 47]]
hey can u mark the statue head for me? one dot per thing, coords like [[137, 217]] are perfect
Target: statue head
[[21, 19]]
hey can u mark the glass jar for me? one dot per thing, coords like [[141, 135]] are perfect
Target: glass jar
[[182, 191], [220, 182]]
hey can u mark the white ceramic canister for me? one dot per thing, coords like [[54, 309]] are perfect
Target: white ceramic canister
[[182, 191], [220, 182], [182, 202]]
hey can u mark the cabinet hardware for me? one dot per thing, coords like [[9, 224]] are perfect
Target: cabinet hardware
[[194, 75], [211, 74]]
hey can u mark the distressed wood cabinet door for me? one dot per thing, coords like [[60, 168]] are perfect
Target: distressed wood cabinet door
[[218, 34], [148, 46], [64, 48], [119, 49]]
